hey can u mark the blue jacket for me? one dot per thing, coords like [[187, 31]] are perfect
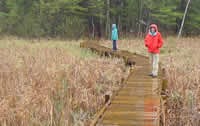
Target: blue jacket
[[114, 32]]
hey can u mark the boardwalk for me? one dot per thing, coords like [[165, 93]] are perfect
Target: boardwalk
[[138, 102]]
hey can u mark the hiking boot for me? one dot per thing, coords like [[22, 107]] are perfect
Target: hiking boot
[[154, 76], [150, 74]]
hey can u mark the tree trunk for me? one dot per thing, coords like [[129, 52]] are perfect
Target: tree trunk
[[183, 20], [119, 23], [108, 19], [93, 28], [140, 16]]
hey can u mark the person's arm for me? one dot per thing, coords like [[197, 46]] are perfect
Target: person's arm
[[112, 35], [160, 41], [146, 42], [116, 33]]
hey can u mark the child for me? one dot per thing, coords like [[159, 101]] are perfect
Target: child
[[114, 36], [154, 41]]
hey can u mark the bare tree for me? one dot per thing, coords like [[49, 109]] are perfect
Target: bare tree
[[108, 19], [183, 20], [93, 28], [140, 2]]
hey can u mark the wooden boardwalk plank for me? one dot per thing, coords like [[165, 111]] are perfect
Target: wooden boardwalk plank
[[138, 101]]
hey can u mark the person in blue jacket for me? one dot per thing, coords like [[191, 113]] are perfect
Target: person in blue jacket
[[114, 36]]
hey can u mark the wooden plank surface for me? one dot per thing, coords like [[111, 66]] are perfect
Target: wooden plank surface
[[138, 102]]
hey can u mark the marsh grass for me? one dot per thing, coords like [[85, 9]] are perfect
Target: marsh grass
[[53, 83]]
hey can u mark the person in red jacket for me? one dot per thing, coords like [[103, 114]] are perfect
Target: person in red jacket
[[154, 41]]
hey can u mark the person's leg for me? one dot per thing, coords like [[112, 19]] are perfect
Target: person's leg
[[155, 64], [151, 63], [114, 44]]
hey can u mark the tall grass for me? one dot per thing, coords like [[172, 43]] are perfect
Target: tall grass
[[183, 71], [53, 83], [182, 62]]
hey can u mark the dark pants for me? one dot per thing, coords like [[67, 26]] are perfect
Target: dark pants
[[114, 45]]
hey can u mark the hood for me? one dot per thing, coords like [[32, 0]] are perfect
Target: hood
[[114, 26], [154, 26]]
